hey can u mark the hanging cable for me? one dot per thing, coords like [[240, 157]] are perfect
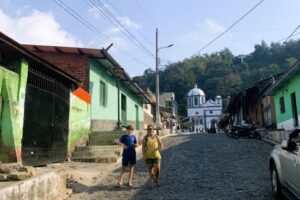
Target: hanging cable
[[292, 33], [95, 30], [230, 27], [138, 30], [109, 16]]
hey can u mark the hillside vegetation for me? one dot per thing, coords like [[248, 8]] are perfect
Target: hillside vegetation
[[222, 73]]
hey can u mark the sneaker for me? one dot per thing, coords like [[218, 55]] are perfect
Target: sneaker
[[130, 185]]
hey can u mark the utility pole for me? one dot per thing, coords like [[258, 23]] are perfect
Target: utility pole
[[157, 126], [157, 83]]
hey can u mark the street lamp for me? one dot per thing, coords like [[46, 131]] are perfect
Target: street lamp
[[157, 80], [118, 73]]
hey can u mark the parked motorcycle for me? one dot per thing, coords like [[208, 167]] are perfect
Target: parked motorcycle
[[246, 130]]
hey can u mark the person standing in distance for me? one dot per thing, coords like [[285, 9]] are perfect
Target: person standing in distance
[[129, 143], [151, 146]]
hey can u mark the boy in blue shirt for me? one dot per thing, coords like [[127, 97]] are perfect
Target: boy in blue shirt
[[129, 144]]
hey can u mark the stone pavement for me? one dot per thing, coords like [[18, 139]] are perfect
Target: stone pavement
[[198, 166]]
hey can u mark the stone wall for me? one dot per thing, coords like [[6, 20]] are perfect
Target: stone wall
[[276, 136]]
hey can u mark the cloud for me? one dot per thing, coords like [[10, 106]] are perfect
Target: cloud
[[113, 30], [202, 33], [213, 26], [23, 10], [118, 44], [37, 28], [128, 23], [94, 12]]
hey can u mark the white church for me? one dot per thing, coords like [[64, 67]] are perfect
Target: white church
[[204, 114]]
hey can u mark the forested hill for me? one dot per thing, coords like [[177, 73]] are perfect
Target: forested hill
[[222, 73]]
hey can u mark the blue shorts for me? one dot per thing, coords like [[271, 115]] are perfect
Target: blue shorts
[[128, 160]]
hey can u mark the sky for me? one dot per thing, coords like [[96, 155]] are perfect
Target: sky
[[188, 24]]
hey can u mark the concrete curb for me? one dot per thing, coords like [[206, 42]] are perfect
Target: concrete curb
[[269, 141], [49, 184]]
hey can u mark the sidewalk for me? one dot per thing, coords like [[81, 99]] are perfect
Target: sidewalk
[[272, 142], [80, 175], [274, 137], [52, 182]]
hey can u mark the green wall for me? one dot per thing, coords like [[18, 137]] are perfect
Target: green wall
[[79, 122], [13, 88], [286, 90], [110, 110]]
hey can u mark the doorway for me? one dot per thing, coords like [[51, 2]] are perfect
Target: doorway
[[124, 109], [46, 119], [294, 109], [137, 123]]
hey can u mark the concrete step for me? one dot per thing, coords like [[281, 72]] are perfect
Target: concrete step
[[101, 141], [98, 147], [94, 151], [103, 133], [98, 159]]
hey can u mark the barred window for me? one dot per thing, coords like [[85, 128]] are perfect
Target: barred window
[[282, 106], [103, 93]]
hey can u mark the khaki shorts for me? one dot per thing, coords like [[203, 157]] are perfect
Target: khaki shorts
[[152, 161]]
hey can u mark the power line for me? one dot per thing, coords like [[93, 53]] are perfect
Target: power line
[[286, 38], [236, 30], [120, 13], [93, 28], [146, 14], [127, 33], [108, 15], [292, 33], [230, 27], [80, 19]]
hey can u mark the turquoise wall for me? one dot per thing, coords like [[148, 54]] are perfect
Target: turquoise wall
[[79, 122], [286, 90], [110, 110]]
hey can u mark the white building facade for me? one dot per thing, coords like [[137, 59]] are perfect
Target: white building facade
[[204, 114]]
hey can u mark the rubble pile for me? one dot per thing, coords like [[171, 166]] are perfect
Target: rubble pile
[[15, 172]]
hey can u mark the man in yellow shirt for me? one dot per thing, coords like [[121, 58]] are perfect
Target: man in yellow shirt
[[150, 146]]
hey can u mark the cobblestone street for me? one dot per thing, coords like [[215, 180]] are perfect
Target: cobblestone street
[[199, 166]]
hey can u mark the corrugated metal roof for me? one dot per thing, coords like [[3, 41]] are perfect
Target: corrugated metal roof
[[99, 54], [14, 44], [59, 49]]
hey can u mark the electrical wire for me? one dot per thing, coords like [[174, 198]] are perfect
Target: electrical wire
[[292, 33], [286, 38], [138, 30], [109, 16], [95, 30], [146, 14], [230, 27]]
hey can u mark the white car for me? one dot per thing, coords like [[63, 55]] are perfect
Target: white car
[[285, 167]]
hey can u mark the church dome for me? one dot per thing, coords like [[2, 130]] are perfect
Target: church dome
[[196, 92]]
